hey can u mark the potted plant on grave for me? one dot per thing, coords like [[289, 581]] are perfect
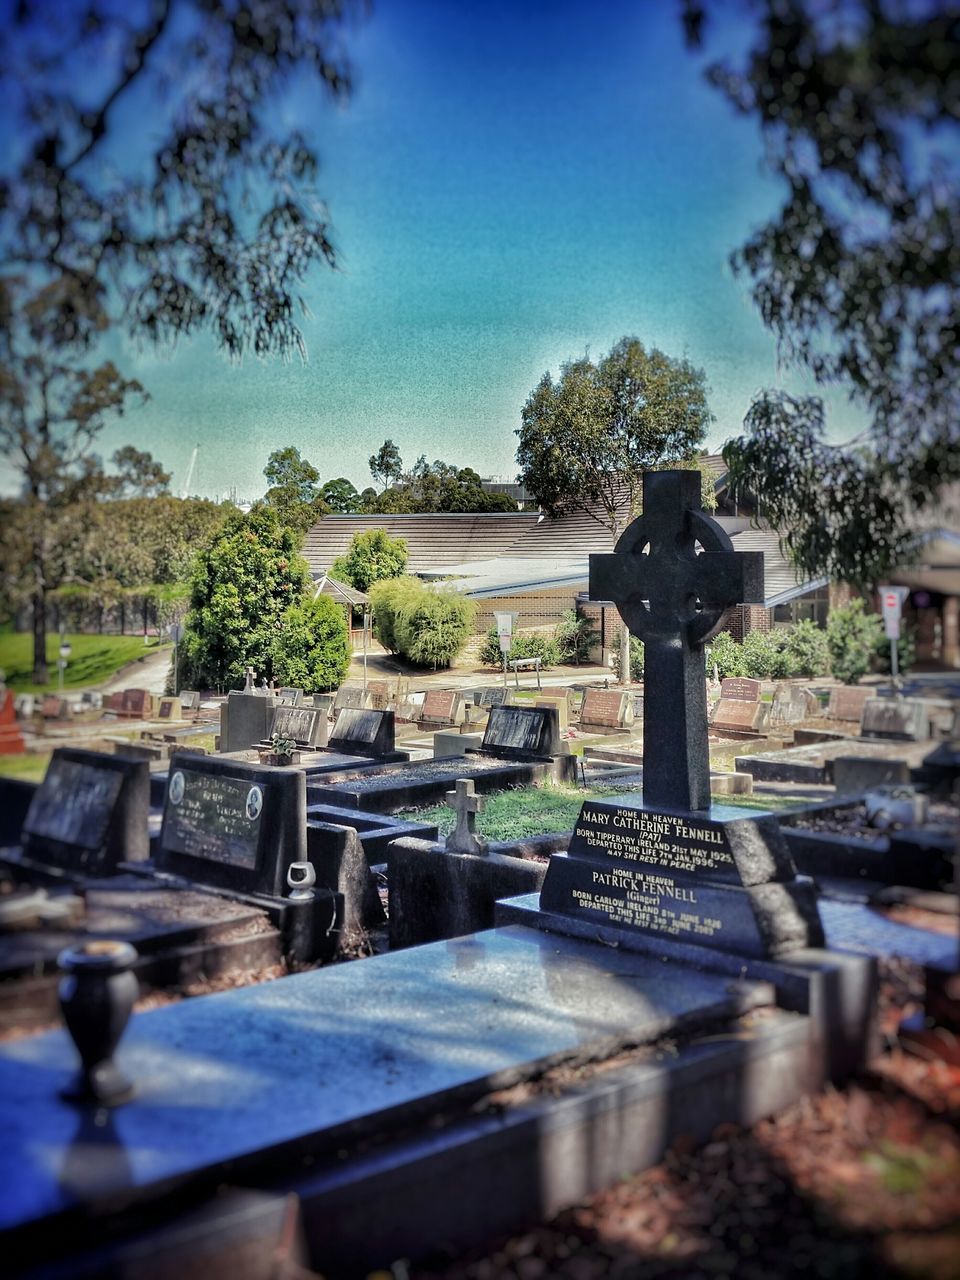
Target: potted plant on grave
[[282, 750]]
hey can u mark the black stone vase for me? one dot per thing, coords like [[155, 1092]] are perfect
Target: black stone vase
[[97, 995]]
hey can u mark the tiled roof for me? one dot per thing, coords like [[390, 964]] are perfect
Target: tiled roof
[[432, 540], [527, 547]]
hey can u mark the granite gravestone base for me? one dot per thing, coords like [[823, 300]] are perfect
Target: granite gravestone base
[[721, 879]]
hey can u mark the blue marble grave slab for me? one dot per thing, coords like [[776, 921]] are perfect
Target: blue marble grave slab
[[232, 1076]]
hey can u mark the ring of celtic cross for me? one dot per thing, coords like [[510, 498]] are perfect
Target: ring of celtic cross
[[673, 592]]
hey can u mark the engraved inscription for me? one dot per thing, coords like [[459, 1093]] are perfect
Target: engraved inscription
[[74, 803], [665, 840], [646, 901], [215, 818]]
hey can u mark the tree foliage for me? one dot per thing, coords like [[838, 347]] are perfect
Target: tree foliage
[[340, 496], [434, 487], [858, 275], [311, 649], [294, 492], [587, 439], [372, 556], [243, 584], [853, 637], [575, 635], [205, 219], [386, 465]]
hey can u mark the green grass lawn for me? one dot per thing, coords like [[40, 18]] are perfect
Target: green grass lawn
[[31, 768], [536, 811], [93, 659]]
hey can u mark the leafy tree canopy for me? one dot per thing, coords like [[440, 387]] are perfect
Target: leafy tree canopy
[[139, 474], [311, 650], [243, 584], [386, 465], [209, 222], [372, 556], [341, 496], [435, 487], [858, 275], [294, 493], [587, 439]]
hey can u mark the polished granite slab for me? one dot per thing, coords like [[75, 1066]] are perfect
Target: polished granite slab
[[227, 1076]]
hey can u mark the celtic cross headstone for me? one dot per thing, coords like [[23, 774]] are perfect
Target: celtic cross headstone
[[666, 862], [672, 576]]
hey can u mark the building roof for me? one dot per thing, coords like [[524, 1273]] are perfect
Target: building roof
[[507, 553], [342, 592]]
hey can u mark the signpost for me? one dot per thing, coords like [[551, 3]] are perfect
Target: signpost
[[504, 621], [891, 605], [175, 631]]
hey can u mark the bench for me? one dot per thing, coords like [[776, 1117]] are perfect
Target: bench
[[525, 664]]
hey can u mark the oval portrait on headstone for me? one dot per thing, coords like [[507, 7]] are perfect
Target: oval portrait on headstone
[[176, 788], [254, 803]]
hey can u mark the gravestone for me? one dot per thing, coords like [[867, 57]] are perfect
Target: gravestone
[[847, 703], [364, 733], [493, 695], [324, 702], [294, 697], [114, 703], [351, 697], [740, 688], [306, 725], [467, 805], [89, 813], [232, 825], [91, 700], [190, 699], [245, 720], [169, 709], [853, 774], [792, 704], [410, 707], [514, 733], [666, 863], [720, 880], [379, 691], [562, 707], [137, 704], [739, 715], [442, 706], [54, 708], [11, 737], [606, 709], [901, 719]]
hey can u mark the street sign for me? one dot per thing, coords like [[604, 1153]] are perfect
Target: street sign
[[891, 605], [504, 623]]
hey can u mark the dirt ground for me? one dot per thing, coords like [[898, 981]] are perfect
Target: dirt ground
[[863, 1180]]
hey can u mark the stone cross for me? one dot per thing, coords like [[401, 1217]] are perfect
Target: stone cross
[[673, 599], [249, 677], [463, 838]]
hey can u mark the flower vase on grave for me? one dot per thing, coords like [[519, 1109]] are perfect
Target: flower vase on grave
[[97, 995]]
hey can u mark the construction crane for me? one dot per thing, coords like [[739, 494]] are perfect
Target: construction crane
[[185, 487]]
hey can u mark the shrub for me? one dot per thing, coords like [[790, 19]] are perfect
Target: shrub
[[806, 649], [906, 651], [574, 636], [388, 598], [763, 654], [427, 626], [853, 637], [312, 648], [726, 655], [636, 659], [525, 644]]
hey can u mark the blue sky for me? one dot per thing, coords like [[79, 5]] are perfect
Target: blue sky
[[511, 184]]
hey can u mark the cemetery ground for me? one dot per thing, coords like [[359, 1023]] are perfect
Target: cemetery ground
[[861, 1179]]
